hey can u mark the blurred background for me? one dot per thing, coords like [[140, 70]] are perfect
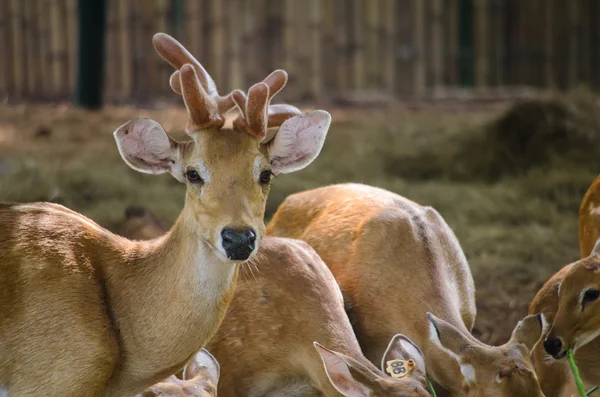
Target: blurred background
[[485, 109]]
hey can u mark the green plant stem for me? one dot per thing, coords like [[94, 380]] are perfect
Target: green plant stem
[[431, 389], [593, 389], [575, 370]]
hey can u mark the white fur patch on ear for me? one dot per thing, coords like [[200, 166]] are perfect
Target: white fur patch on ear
[[145, 146], [299, 141], [468, 371], [203, 364], [339, 375]]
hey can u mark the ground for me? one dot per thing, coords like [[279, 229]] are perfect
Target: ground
[[512, 201]]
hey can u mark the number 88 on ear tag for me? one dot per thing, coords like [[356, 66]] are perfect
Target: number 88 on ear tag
[[399, 368]]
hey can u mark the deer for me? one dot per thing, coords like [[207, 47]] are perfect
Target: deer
[[291, 308], [87, 312], [569, 302], [200, 379], [401, 270]]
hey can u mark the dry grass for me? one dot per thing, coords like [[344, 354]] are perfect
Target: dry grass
[[509, 181]]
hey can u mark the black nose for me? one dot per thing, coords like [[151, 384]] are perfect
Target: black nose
[[238, 243], [553, 347]]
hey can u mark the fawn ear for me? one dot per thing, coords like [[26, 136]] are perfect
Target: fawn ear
[[145, 146], [298, 141], [339, 373], [203, 364], [529, 330], [402, 348]]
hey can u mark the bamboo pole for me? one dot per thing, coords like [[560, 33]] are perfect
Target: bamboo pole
[[419, 64], [43, 33], [217, 42], [372, 55], [437, 49], [6, 66], [289, 46], [481, 43], [316, 72], [452, 58], [57, 48], [163, 70], [125, 48], [389, 54], [72, 40], [274, 33], [328, 47], [549, 44], [358, 50], [193, 27], [234, 57], [112, 54], [18, 47], [30, 47], [574, 20]]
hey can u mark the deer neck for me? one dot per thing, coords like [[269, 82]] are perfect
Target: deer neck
[[168, 299]]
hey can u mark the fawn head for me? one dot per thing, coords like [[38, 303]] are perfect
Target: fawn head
[[354, 379], [493, 371], [577, 321], [227, 171]]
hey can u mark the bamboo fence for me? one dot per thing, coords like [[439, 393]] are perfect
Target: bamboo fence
[[332, 49]]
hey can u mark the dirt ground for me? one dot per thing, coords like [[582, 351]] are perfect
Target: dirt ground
[[508, 180]]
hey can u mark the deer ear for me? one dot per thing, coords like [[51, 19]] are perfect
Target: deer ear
[[145, 146], [529, 330], [204, 364], [339, 373], [402, 348], [299, 141]]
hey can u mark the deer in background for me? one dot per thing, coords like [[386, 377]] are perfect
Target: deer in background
[[569, 300], [292, 303], [398, 262], [200, 379], [89, 313]]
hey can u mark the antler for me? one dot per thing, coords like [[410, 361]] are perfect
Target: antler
[[257, 115], [204, 104]]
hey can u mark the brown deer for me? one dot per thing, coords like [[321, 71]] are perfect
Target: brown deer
[[395, 261], [88, 313], [200, 379], [286, 302], [569, 300]]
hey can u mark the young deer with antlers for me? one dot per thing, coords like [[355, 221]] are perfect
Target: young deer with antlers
[[86, 312], [569, 300], [395, 261], [199, 379]]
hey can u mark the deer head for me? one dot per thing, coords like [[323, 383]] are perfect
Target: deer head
[[227, 172], [577, 321], [353, 379], [492, 371]]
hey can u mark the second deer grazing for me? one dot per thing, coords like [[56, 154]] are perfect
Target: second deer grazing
[[570, 301], [88, 313], [396, 261], [200, 379]]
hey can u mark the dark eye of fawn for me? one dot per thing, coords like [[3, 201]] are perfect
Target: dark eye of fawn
[[265, 177], [193, 176], [590, 295]]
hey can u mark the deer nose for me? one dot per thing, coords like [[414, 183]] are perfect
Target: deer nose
[[553, 347], [238, 243]]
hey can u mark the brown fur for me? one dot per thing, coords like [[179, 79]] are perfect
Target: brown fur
[[555, 375], [289, 300], [394, 260]]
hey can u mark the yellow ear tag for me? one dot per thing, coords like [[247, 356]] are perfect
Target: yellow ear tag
[[399, 368]]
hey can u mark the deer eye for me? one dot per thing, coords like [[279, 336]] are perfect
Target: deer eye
[[193, 177], [589, 296], [265, 177]]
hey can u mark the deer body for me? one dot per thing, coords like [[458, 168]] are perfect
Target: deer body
[[395, 261], [265, 344], [86, 312], [555, 375]]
